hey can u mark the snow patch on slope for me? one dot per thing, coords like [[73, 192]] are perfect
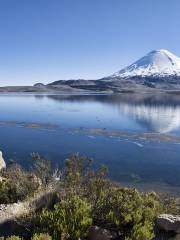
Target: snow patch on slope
[[156, 63]]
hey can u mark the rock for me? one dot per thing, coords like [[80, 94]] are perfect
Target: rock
[[168, 223], [2, 162], [97, 233], [11, 213], [14, 210]]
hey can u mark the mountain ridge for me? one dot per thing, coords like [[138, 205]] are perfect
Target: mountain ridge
[[158, 70]]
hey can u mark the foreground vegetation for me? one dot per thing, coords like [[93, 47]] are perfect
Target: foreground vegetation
[[84, 197]]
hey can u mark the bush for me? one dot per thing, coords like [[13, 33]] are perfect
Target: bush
[[13, 238], [128, 211], [141, 232], [77, 172], [41, 168], [120, 209], [17, 184], [41, 236], [70, 219]]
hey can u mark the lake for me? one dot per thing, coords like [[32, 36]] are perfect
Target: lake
[[136, 136]]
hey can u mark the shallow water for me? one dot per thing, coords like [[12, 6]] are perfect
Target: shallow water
[[136, 136]]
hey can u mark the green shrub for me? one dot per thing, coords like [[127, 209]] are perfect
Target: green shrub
[[77, 171], [8, 192], [41, 236], [128, 211], [42, 168], [121, 209], [141, 232], [70, 219], [17, 184], [13, 238]]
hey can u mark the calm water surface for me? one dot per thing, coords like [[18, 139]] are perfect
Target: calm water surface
[[108, 128]]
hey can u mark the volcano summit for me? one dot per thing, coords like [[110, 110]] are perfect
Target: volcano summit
[[159, 63]]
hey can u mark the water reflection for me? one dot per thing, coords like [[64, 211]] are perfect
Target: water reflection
[[155, 113], [162, 119]]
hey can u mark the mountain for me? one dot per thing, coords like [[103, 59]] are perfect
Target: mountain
[[158, 63], [158, 70]]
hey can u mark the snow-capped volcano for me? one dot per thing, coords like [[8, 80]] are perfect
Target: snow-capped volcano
[[158, 63]]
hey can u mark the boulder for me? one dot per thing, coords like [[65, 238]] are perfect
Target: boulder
[[169, 223], [11, 213], [97, 233], [2, 162]]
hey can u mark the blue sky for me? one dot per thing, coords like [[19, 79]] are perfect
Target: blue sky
[[47, 40]]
